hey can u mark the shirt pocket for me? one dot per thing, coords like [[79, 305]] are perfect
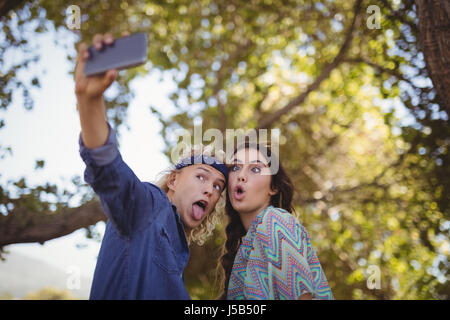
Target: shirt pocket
[[165, 256]]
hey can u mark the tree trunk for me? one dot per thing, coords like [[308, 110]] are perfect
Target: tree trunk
[[24, 227], [434, 33]]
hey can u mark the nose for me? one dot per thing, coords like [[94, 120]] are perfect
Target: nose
[[208, 189], [242, 177]]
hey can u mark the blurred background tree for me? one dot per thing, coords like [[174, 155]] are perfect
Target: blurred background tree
[[50, 294], [372, 188]]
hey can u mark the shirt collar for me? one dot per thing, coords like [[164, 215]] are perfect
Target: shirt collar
[[259, 218]]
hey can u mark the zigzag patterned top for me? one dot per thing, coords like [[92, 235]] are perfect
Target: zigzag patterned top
[[276, 260]]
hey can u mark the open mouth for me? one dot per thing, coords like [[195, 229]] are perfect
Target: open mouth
[[199, 209], [201, 204], [239, 192]]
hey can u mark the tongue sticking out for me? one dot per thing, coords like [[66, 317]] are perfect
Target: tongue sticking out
[[197, 212]]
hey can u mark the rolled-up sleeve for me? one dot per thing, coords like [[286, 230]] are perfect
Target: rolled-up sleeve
[[102, 155]]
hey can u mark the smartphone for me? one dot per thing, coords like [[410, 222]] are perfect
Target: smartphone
[[125, 52]]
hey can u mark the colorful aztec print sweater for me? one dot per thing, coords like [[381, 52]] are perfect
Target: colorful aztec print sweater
[[276, 260]]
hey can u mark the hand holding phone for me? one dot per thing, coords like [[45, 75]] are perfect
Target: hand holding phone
[[125, 52], [97, 65], [88, 89], [96, 70]]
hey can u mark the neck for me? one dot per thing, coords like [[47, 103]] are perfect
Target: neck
[[169, 194], [248, 216]]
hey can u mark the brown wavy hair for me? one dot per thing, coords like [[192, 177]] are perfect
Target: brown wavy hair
[[235, 229]]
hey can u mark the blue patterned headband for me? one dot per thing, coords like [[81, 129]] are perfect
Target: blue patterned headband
[[203, 159]]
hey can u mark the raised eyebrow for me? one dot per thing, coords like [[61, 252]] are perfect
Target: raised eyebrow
[[254, 161], [204, 169], [208, 171]]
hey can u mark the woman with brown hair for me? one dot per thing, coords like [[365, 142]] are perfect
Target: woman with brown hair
[[267, 253]]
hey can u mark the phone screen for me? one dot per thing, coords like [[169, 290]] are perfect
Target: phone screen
[[124, 53]]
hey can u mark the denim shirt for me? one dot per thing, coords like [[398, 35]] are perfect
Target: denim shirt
[[144, 250]]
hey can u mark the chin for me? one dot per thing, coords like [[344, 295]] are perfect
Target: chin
[[196, 224], [239, 206], [192, 224]]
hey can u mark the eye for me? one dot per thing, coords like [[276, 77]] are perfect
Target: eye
[[256, 169], [201, 178], [217, 187], [235, 168]]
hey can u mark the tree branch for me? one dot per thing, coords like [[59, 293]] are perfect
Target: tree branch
[[224, 66], [265, 123], [258, 106], [7, 6], [379, 68], [16, 228]]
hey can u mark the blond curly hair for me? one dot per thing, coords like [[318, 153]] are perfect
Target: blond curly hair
[[201, 233]]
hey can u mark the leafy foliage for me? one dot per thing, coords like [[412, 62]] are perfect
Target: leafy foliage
[[372, 188]]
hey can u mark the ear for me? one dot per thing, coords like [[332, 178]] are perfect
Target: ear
[[172, 181], [273, 191]]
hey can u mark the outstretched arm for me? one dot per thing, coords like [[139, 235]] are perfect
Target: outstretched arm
[[89, 92], [125, 199]]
